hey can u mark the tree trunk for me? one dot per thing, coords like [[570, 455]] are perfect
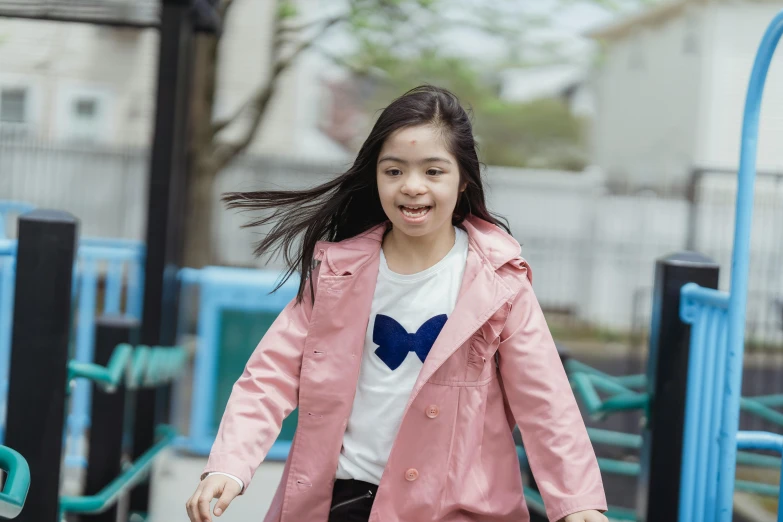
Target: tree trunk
[[201, 198]]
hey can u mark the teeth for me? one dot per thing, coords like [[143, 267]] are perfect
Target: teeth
[[420, 213]]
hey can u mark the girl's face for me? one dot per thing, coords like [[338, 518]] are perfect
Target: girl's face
[[418, 181]]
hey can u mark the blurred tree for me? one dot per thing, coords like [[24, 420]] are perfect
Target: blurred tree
[[400, 43], [542, 133]]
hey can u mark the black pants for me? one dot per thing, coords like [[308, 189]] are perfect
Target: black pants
[[352, 501]]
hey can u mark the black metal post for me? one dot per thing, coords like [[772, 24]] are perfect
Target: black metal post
[[165, 215], [39, 354], [658, 494], [108, 413]]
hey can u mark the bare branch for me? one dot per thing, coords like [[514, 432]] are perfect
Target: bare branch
[[338, 60], [223, 153], [325, 26], [257, 104], [299, 28]]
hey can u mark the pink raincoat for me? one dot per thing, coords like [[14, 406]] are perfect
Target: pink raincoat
[[454, 457]]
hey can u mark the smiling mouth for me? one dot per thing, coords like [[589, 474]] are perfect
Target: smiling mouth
[[415, 211]]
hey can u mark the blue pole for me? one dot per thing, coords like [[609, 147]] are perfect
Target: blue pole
[[740, 268], [205, 368], [79, 419], [7, 271], [112, 299]]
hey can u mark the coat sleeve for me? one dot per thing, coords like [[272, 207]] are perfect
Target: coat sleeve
[[540, 397], [264, 395]]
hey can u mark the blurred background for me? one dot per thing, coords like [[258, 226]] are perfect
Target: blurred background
[[609, 129]]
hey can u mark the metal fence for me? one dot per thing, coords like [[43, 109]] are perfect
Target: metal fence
[[143, 13], [592, 252]]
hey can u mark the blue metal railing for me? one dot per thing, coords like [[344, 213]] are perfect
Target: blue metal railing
[[117, 257], [760, 440], [717, 337], [223, 288]]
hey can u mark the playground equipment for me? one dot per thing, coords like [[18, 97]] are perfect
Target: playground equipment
[[717, 341], [710, 439], [17, 483], [119, 263], [42, 371], [239, 290], [711, 444]]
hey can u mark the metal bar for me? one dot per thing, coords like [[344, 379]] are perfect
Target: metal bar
[[661, 456], [719, 355], [165, 213], [17, 482], [740, 267], [39, 353], [104, 458], [65, 18], [625, 402], [762, 411], [132, 476], [7, 275], [711, 320], [615, 438], [757, 488], [79, 419], [770, 401]]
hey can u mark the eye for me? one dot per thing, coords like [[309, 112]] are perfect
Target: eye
[[394, 172], [434, 172]]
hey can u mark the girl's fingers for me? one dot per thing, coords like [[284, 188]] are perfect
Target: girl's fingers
[[230, 491], [190, 506], [207, 494]]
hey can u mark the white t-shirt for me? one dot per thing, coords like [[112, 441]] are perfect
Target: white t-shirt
[[407, 314]]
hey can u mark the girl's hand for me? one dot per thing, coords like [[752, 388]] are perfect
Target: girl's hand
[[590, 515], [213, 486]]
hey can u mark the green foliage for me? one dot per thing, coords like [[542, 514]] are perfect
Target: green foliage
[[286, 10], [397, 46], [540, 134]]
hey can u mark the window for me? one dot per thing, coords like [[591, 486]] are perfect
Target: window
[[690, 43], [86, 109], [13, 105], [85, 122], [83, 113]]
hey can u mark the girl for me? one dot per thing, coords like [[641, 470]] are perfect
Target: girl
[[414, 345]]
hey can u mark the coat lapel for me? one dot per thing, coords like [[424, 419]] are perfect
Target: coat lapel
[[352, 270], [481, 295]]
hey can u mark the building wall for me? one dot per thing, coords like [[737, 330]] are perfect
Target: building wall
[[592, 253], [735, 31], [62, 64], [111, 74], [646, 90]]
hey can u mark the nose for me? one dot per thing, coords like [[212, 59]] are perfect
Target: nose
[[414, 185]]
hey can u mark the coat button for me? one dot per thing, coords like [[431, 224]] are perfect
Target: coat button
[[411, 475], [433, 411]]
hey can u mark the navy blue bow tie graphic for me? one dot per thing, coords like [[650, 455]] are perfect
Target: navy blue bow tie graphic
[[394, 342]]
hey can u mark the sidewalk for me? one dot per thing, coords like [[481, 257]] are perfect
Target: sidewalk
[[175, 479]]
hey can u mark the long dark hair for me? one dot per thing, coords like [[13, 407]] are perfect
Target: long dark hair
[[349, 204]]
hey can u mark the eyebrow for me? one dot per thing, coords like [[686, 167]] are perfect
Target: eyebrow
[[404, 162]]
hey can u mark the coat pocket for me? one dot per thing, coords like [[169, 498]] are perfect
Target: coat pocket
[[480, 364]]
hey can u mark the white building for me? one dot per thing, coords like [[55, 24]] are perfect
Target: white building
[[73, 82], [670, 91]]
